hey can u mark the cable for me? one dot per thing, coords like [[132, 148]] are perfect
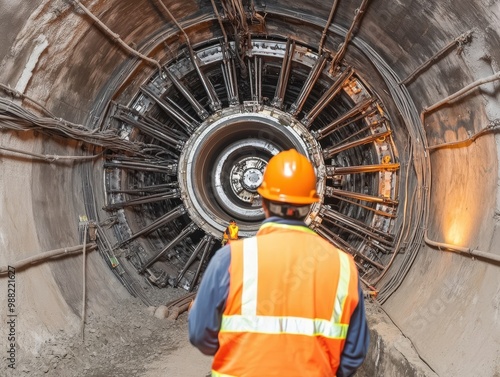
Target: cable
[[15, 117], [84, 282], [51, 158], [489, 128]]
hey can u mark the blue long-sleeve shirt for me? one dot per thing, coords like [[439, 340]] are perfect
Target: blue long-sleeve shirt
[[205, 316]]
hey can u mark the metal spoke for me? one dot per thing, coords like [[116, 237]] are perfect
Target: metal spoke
[[284, 75], [363, 197], [328, 96], [204, 257], [180, 117], [255, 79], [229, 74], [335, 170], [157, 224], [152, 130], [172, 194], [357, 110], [313, 76], [190, 228], [200, 110], [191, 259], [167, 168], [334, 239], [144, 189], [391, 214], [332, 151], [357, 227]]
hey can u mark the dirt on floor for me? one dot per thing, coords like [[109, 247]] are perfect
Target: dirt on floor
[[130, 341], [134, 340]]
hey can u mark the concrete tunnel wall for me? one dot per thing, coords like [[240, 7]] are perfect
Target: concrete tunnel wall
[[448, 304]]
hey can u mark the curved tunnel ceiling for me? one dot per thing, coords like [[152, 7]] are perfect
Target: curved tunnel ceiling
[[183, 105]]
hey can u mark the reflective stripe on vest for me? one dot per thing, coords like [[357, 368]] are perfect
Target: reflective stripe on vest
[[343, 288], [217, 374], [284, 325], [249, 321]]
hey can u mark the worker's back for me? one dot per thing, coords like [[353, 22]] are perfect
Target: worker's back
[[286, 302], [288, 322]]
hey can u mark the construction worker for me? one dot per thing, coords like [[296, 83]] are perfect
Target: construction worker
[[231, 232], [285, 302]]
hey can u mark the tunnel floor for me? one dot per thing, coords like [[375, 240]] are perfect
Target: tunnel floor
[[128, 341], [131, 341]]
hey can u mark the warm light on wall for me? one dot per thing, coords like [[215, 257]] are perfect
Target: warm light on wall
[[457, 231], [459, 216]]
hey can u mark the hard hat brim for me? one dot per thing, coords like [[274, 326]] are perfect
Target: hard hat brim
[[283, 198]]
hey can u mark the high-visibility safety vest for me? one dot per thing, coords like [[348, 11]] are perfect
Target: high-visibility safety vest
[[291, 297], [231, 232]]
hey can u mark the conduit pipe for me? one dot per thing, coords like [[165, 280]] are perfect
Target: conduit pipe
[[473, 252], [115, 37], [459, 94], [48, 255], [490, 257], [489, 128]]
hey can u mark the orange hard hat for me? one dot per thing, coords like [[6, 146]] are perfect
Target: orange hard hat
[[289, 178]]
